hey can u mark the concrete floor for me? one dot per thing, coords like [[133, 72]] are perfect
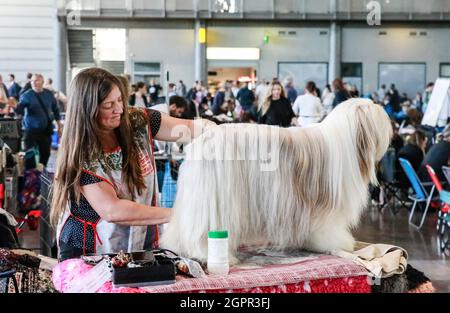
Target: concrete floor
[[422, 245]]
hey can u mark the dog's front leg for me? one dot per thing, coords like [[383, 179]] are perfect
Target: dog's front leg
[[329, 236]]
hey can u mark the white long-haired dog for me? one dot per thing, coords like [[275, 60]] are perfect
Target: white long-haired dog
[[310, 197]]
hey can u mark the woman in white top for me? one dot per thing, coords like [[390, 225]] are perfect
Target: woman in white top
[[327, 99], [308, 107]]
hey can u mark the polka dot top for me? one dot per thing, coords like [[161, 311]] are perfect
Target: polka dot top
[[72, 232]]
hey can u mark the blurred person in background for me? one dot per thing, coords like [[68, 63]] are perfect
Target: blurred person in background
[[340, 92], [27, 85], [39, 109], [139, 97], [13, 87], [426, 96], [308, 107], [291, 93], [246, 97], [276, 108], [327, 99]]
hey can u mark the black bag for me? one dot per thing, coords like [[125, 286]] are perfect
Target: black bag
[[49, 128]]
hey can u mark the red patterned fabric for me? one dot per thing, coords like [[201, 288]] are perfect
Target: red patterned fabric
[[318, 275]]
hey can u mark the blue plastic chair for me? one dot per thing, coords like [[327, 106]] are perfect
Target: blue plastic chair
[[420, 196]]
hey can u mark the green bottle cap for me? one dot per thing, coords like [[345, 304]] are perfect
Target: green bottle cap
[[218, 234]]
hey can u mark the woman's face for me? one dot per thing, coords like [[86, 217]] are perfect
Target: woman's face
[[111, 110], [276, 92]]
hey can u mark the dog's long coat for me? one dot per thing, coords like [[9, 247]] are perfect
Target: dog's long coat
[[310, 197]]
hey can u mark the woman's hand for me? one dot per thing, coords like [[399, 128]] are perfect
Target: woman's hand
[[181, 130]]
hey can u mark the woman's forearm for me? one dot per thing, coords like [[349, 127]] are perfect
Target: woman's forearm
[[126, 212]]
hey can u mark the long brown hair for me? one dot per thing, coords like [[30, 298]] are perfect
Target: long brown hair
[[268, 100], [80, 143]]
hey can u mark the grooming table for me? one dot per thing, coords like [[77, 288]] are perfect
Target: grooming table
[[313, 274]]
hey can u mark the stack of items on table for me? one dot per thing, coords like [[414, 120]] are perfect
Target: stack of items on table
[[32, 272]]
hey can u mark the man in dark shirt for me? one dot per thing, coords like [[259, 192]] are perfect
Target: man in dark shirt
[[13, 87], [245, 97], [437, 156], [39, 109]]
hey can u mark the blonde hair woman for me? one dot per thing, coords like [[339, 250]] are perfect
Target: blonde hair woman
[[104, 196], [276, 108]]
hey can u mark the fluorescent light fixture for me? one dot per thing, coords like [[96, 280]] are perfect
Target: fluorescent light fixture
[[232, 53], [110, 44]]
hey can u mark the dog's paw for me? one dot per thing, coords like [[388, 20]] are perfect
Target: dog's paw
[[232, 260]]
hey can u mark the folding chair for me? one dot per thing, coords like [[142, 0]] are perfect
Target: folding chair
[[420, 196], [443, 213], [390, 187]]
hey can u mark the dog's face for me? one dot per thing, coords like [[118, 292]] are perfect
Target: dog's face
[[370, 127]]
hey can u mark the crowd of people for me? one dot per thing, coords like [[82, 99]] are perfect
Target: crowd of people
[[280, 103], [39, 105]]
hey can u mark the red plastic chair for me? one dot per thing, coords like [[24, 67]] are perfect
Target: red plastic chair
[[443, 214], [32, 218]]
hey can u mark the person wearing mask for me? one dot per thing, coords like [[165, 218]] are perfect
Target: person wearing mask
[[39, 109], [308, 107], [246, 97], [276, 109], [139, 97], [340, 92], [13, 87]]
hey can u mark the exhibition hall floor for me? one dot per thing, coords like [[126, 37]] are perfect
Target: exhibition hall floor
[[422, 245]]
